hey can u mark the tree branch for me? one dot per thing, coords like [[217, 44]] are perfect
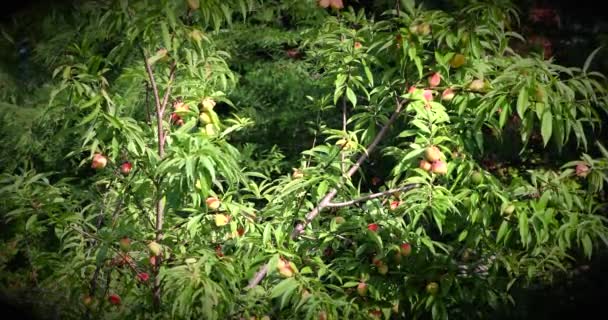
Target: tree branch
[[371, 196], [163, 105], [332, 193], [159, 123], [160, 208], [258, 276]]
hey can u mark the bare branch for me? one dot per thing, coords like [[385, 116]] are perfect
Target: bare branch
[[332, 193], [160, 208], [344, 120], [163, 105], [258, 276], [371, 196], [159, 122]]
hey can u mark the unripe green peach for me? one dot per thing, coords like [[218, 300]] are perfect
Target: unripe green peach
[[477, 85], [205, 118], [210, 129], [297, 173], [432, 288], [155, 248], [193, 4], [221, 220], [382, 269], [457, 61], [196, 35], [208, 104], [87, 300], [476, 178], [424, 29]]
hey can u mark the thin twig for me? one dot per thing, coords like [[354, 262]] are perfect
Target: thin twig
[[343, 154], [159, 124], [258, 276], [148, 119], [163, 105], [371, 196], [160, 109]]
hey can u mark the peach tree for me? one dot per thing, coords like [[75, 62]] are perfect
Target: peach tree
[[139, 198]]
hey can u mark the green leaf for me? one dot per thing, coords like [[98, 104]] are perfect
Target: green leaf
[[351, 96], [546, 126], [322, 188], [166, 37], [368, 74], [30, 221], [523, 228], [587, 246], [503, 115], [522, 102], [589, 59], [502, 231], [463, 235], [267, 234], [412, 154], [283, 286], [101, 255]]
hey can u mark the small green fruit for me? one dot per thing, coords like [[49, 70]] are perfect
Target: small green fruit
[[432, 288], [208, 104], [509, 210], [155, 248], [476, 178], [205, 118], [457, 61], [87, 300], [210, 129], [424, 29], [196, 35], [477, 85], [194, 4], [382, 269], [221, 220]]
